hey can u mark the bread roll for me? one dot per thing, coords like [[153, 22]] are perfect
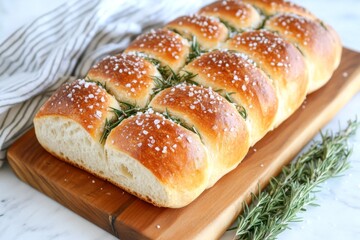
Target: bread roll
[[283, 63], [316, 41], [70, 125], [235, 73], [273, 7], [216, 121], [209, 32], [163, 45], [127, 77], [181, 106], [157, 160], [239, 15]]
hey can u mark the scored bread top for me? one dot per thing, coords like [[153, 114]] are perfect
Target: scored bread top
[[172, 153], [272, 7], [215, 120], [281, 61], [128, 77], [238, 15], [84, 102], [318, 44], [209, 32], [235, 73], [164, 45]]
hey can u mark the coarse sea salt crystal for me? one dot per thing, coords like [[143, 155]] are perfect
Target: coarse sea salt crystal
[[98, 113]]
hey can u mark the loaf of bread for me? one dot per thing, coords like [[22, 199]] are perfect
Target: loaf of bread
[[182, 105]]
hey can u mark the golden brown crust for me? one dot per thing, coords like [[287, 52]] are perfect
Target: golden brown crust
[[164, 45], [237, 14], [262, 72], [127, 77], [84, 102], [209, 32], [272, 7], [172, 153], [281, 61], [252, 89], [217, 121], [316, 42]]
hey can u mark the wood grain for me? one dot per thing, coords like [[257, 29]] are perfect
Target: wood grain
[[210, 215]]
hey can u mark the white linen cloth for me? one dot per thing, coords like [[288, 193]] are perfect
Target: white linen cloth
[[62, 45]]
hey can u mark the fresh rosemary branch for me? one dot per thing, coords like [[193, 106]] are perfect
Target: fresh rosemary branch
[[171, 80], [164, 71], [195, 50], [170, 117], [264, 20], [273, 209], [239, 108], [124, 112], [155, 62]]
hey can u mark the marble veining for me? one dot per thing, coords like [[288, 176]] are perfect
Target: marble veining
[[27, 214]]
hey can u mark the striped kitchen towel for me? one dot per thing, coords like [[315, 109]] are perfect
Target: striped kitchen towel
[[62, 45]]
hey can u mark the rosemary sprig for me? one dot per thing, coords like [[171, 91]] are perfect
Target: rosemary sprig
[[154, 61], [170, 117], [264, 20], [195, 50], [171, 80], [103, 85], [239, 108], [176, 31], [126, 110], [163, 70], [273, 209], [322, 24], [178, 121]]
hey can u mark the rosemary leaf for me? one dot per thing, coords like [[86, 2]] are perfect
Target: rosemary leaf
[[232, 30], [126, 110], [178, 121], [273, 209], [324, 25], [103, 85], [172, 79], [153, 61], [239, 108], [195, 50]]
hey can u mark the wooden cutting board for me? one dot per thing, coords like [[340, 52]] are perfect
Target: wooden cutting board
[[210, 215]]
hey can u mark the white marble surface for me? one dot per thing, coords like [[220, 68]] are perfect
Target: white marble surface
[[28, 214]]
